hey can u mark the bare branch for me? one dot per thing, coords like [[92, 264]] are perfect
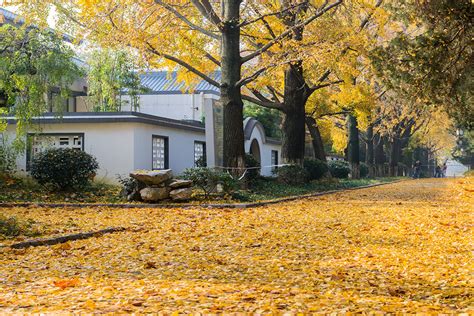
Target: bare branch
[[213, 59], [275, 93], [367, 18], [265, 104], [334, 114], [324, 85], [252, 77], [186, 21], [207, 11], [263, 16], [270, 44]]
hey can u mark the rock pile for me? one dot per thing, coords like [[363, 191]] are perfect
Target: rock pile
[[158, 185]]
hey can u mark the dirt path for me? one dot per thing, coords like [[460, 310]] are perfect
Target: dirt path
[[401, 247]]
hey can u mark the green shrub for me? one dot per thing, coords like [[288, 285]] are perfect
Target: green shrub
[[207, 179], [315, 168], [251, 162], [201, 162], [364, 170], [64, 168], [292, 175], [7, 158], [339, 169]]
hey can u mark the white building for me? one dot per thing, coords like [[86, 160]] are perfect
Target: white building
[[172, 127], [167, 131]]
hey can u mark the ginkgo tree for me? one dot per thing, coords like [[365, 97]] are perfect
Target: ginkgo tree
[[431, 55], [319, 55], [197, 37]]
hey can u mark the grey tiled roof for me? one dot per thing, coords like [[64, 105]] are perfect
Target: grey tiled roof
[[164, 82], [11, 17]]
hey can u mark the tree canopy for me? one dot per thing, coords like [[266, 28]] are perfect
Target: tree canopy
[[111, 74], [33, 64], [387, 67], [431, 59]]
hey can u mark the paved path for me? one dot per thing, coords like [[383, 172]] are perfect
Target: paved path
[[401, 247]]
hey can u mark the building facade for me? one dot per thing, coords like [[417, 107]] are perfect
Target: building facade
[[171, 129]]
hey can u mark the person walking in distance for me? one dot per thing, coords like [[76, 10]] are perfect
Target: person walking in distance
[[417, 170], [443, 173]]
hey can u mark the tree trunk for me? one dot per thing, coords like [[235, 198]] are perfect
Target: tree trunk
[[294, 95], [293, 125], [379, 155], [231, 97], [369, 155], [353, 155], [318, 145], [394, 157]]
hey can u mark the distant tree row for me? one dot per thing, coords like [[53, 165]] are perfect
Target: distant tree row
[[341, 71]]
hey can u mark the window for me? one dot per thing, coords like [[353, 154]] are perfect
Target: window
[[160, 153], [274, 159], [40, 142], [200, 154]]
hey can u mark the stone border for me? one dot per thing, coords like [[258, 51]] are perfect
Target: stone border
[[184, 206]]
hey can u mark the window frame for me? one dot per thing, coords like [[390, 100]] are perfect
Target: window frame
[[204, 148], [274, 165], [167, 154], [30, 136]]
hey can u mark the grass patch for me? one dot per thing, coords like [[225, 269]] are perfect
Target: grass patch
[[269, 188], [13, 227], [27, 190]]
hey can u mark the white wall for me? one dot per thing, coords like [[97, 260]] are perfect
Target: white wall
[[175, 106], [265, 150], [455, 168], [180, 142], [123, 147], [111, 144], [212, 159]]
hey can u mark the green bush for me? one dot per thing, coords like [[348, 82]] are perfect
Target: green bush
[[339, 169], [292, 175], [207, 179], [64, 168], [7, 158], [364, 170], [315, 168], [251, 162], [201, 162]]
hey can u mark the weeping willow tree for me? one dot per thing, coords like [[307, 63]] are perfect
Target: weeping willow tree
[[33, 63]]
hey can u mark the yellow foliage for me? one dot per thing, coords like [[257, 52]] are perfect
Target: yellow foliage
[[437, 134], [339, 139], [400, 248]]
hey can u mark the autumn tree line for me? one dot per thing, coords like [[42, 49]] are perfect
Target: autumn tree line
[[373, 74]]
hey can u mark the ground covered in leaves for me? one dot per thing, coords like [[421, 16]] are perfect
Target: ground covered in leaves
[[399, 247]]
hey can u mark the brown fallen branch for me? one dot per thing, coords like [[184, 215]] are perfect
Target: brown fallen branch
[[63, 239]]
